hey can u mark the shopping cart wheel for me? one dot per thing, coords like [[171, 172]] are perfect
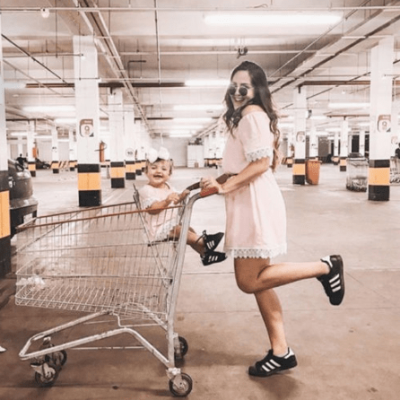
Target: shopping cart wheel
[[49, 376], [184, 388], [61, 357], [183, 348]]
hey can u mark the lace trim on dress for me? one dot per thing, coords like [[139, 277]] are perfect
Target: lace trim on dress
[[256, 253], [258, 154]]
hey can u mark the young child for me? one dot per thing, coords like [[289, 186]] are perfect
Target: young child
[[158, 194]]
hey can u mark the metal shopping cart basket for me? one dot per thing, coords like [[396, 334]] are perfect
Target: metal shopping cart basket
[[101, 261], [394, 170]]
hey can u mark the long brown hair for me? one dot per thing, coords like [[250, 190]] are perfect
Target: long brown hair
[[262, 97]]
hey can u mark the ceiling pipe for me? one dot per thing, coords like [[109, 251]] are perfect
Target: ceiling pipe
[[96, 9]]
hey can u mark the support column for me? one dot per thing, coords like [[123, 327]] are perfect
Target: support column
[[31, 149], [290, 150], [380, 120], [395, 137], [55, 158], [335, 158], [344, 144], [313, 142], [299, 166], [5, 233], [116, 125], [88, 125], [129, 129], [72, 150], [361, 142]]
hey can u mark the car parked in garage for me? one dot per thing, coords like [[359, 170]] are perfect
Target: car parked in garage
[[23, 205]]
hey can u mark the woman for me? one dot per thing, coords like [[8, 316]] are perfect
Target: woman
[[256, 215]]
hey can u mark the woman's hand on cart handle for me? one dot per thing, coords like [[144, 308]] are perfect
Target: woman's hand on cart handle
[[221, 179], [210, 185]]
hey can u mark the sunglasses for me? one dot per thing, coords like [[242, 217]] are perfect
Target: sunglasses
[[243, 90]]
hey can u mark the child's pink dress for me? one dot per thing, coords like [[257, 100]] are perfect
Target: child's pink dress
[[158, 225], [255, 213]]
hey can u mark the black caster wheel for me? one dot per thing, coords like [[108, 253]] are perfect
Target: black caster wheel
[[183, 348], [184, 388], [49, 378]]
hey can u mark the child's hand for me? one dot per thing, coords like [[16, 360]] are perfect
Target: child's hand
[[173, 198], [183, 195]]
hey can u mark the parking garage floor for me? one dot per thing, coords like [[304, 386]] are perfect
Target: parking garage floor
[[346, 352]]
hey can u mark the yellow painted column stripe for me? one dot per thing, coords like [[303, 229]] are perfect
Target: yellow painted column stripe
[[130, 168], [32, 167], [117, 172], [379, 176], [299, 169], [89, 181], [4, 214]]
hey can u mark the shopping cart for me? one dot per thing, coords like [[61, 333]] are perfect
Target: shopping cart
[[102, 261], [394, 170]]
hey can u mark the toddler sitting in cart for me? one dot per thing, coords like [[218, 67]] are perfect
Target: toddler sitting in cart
[[157, 195]]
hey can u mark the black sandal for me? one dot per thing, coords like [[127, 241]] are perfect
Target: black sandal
[[212, 257], [211, 241]]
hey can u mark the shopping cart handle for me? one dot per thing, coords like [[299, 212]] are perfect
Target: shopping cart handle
[[208, 192], [221, 179]]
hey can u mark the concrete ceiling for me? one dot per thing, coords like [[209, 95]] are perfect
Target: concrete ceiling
[[150, 48]]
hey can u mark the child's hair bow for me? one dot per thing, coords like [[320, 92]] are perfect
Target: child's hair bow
[[153, 155]]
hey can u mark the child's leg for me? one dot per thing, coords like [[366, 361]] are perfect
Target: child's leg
[[195, 241]]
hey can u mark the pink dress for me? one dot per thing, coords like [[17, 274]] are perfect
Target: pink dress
[[158, 225], [255, 213]]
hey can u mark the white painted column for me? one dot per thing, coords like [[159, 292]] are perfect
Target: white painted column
[[30, 148], [130, 144], [88, 125], [344, 143], [290, 149], [55, 158], [117, 141], [335, 157], [72, 150], [361, 142], [5, 232], [382, 57], [313, 141], [395, 128], [300, 106]]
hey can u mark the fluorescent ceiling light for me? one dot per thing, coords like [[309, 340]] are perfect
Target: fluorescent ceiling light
[[180, 135], [348, 105], [363, 124], [19, 134], [318, 117], [185, 120], [207, 82], [271, 18], [186, 127], [285, 125], [198, 107], [43, 109], [65, 120], [334, 129]]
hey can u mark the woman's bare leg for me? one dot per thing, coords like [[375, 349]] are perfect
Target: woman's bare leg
[[256, 274], [271, 312]]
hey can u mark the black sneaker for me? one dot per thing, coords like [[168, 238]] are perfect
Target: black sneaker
[[333, 282], [212, 257], [272, 364], [212, 241]]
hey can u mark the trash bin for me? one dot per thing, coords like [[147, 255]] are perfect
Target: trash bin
[[357, 174], [312, 171]]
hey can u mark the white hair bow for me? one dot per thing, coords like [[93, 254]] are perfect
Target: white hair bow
[[162, 154]]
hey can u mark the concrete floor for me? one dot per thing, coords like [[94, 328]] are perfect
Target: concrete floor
[[346, 352]]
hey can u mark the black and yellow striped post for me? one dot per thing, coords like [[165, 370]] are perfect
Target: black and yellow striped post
[[139, 167], [343, 164], [379, 180], [299, 171], [130, 170], [117, 173], [72, 165], [289, 162], [55, 166], [5, 233], [89, 185], [32, 168]]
